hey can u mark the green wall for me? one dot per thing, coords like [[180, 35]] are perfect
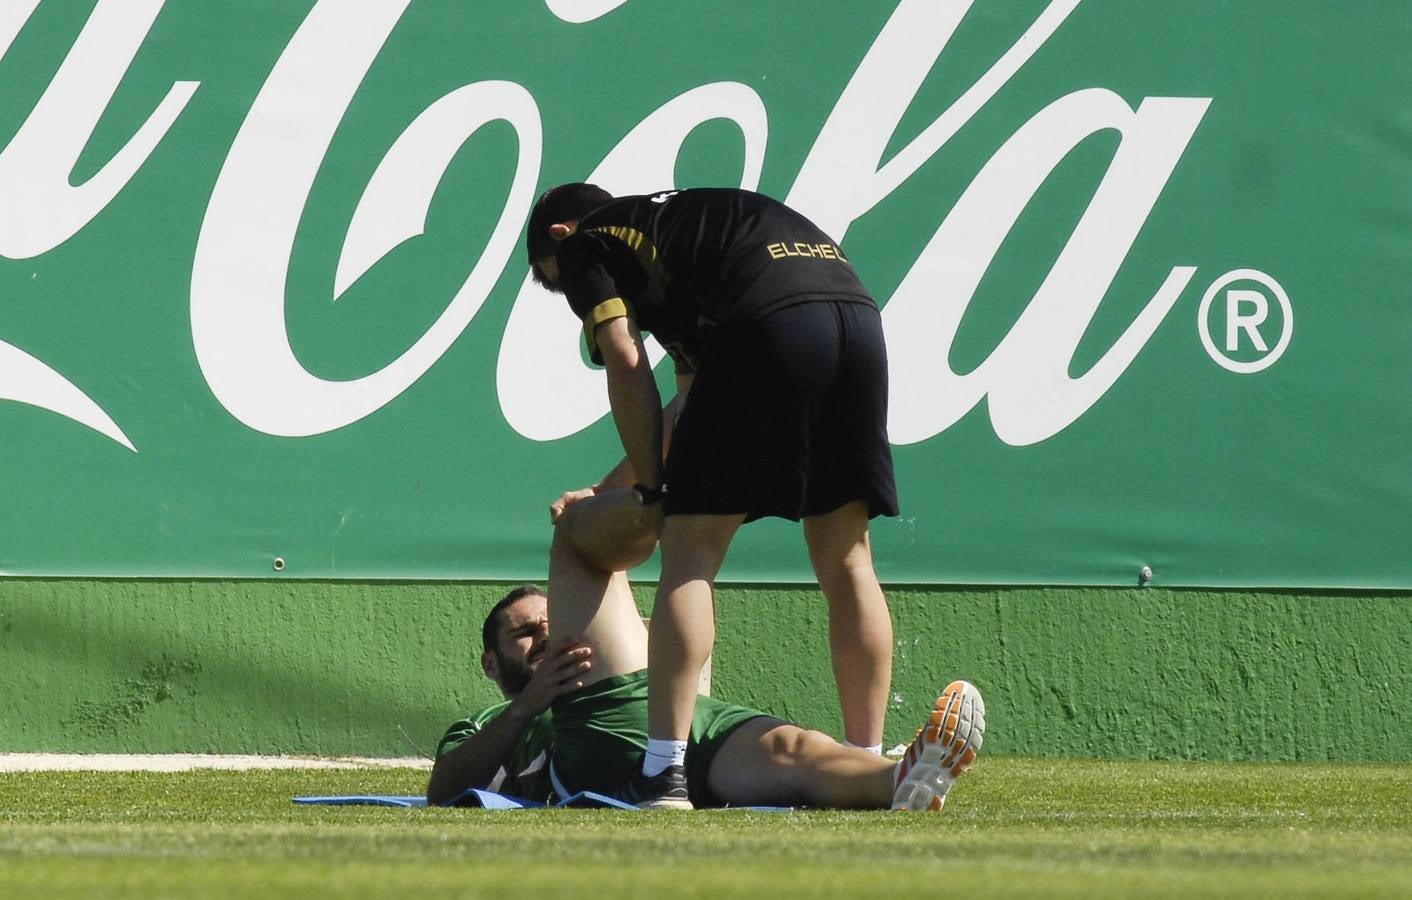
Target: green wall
[[340, 668]]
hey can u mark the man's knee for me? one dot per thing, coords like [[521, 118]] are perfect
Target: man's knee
[[610, 535], [790, 745]]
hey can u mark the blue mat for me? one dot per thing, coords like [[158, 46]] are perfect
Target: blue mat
[[471, 797], [474, 797], [362, 800]]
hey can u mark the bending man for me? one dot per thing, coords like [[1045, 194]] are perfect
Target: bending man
[[781, 349]]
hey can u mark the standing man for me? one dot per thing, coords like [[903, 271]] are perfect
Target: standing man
[[779, 348]]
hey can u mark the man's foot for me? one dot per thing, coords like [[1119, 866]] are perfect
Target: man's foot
[[665, 790], [942, 750]]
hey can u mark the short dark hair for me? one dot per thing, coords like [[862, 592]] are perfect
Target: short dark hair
[[488, 631], [565, 203]]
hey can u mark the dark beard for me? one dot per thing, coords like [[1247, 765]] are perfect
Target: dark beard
[[514, 674]]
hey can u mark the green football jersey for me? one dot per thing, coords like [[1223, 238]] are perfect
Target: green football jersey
[[525, 772]]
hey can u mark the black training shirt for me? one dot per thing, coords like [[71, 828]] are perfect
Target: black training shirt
[[680, 262]]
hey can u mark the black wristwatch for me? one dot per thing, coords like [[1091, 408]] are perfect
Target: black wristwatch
[[646, 496]]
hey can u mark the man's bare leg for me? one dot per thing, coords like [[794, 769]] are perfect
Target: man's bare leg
[[595, 541], [769, 762], [684, 618], [860, 626]]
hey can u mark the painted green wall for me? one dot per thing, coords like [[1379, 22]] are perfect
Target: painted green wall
[[341, 668]]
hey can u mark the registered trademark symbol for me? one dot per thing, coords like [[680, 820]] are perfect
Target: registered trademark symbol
[[1244, 318]]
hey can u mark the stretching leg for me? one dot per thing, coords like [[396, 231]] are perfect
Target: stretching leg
[[595, 540]]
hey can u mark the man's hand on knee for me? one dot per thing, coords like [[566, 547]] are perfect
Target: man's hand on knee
[[560, 672], [567, 499]]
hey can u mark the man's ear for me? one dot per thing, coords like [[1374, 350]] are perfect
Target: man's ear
[[560, 230], [490, 667]]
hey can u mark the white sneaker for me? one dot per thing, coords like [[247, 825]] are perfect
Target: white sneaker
[[942, 750]]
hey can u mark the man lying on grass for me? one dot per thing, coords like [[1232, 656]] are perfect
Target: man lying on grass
[[575, 715]]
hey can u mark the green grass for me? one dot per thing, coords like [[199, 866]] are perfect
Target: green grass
[[1013, 827]]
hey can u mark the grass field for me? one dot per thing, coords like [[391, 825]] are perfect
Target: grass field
[[1013, 827]]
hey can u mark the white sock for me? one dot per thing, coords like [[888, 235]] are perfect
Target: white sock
[[661, 754], [871, 748]]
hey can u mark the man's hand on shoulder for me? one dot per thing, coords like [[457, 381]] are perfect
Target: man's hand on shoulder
[[560, 672]]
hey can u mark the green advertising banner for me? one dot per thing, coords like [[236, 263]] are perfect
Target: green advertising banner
[[1144, 269]]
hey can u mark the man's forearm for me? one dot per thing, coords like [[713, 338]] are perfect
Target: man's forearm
[[637, 412], [474, 762], [623, 474], [620, 476], [673, 412]]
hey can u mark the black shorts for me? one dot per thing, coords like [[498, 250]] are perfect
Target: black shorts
[[787, 417]]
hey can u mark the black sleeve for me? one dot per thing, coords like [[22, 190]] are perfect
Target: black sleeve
[[597, 274], [589, 272]]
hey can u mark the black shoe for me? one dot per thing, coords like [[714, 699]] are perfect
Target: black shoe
[[665, 790]]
